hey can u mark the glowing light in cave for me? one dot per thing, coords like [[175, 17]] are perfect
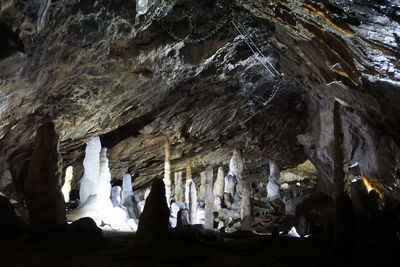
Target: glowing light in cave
[[67, 183], [370, 186]]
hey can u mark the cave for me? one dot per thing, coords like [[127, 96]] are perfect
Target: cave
[[195, 133]]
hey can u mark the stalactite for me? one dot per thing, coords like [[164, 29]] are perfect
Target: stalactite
[[209, 198]]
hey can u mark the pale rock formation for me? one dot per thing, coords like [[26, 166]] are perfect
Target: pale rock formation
[[202, 188], [209, 199], [191, 200], [67, 183], [116, 196], [91, 165], [229, 189], [86, 209], [42, 188], [246, 208], [218, 189], [236, 164], [154, 221], [179, 187], [174, 214], [272, 186], [127, 194], [167, 172], [127, 191]]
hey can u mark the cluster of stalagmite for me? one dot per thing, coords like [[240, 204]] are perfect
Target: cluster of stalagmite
[[99, 201]]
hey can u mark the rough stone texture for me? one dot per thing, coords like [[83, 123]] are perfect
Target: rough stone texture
[[42, 188], [154, 220], [209, 198]]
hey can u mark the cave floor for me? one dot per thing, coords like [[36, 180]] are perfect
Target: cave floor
[[123, 249]]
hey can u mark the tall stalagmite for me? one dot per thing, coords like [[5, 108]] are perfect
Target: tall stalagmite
[[91, 165], [167, 171], [154, 221], [42, 189], [209, 198], [191, 194], [218, 189], [246, 209]]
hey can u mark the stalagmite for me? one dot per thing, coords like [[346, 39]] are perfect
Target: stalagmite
[[103, 193], [190, 194], [246, 209], [67, 183], [42, 189], [91, 165], [116, 196], [127, 194], [209, 199], [182, 218], [218, 189], [191, 200], [202, 188], [167, 172], [154, 221], [179, 187], [236, 165], [273, 186]]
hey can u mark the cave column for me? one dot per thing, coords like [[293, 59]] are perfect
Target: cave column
[[218, 189], [209, 198], [191, 194], [167, 171], [91, 165], [42, 189]]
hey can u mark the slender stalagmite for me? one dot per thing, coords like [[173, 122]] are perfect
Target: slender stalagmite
[[191, 194], [67, 183], [218, 189], [167, 171], [209, 198], [246, 209], [202, 189]]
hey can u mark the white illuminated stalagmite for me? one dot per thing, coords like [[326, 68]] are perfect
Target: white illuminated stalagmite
[[104, 204], [236, 165], [116, 196], [209, 198], [218, 189], [67, 183], [191, 195], [273, 186], [91, 165], [127, 194], [167, 172]]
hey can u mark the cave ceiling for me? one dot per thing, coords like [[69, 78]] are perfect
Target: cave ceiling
[[181, 72]]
